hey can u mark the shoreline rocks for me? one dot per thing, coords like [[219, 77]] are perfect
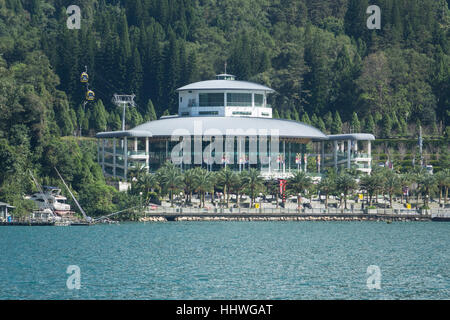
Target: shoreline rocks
[[153, 219], [281, 218]]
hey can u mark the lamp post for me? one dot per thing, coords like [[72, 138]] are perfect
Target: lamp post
[[140, 204]]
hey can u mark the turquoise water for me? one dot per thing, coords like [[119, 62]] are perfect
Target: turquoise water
[[227, 260]]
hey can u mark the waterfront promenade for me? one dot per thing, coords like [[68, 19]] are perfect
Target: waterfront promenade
[[166, 213], [289, 214]]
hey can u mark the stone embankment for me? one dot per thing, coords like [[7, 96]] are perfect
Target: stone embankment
[[283, 218], [153, 219]]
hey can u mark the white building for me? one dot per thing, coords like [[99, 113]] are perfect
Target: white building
[[222, 106], [224, 97]]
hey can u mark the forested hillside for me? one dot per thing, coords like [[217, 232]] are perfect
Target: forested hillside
[[327, 69], [317, 54]]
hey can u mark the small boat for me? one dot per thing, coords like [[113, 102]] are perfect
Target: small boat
[[50, 199]]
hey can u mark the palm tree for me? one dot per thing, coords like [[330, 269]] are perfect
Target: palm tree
[[345, 184], [253, 181], [189, 184], [405, 182], [237, 185], [213, 178], [171, 179], [365, 184], [137, 171], [442, 180], [148, 183], [273, 188], [391, 184], [225, 179], [447, 185], [204, 182], [326, 186], [372, 184], [298, 184], [427, 184], [416, 177]]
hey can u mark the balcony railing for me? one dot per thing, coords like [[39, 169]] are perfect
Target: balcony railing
[[137, 153], [361, 166], [344, 155], [230, 104], [119, 151]]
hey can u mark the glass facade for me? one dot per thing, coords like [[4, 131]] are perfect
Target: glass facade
[[259, 99], [211, 99], [239, 153], [242, 156], [239, 99]]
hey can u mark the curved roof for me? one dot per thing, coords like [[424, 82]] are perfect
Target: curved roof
[[352, 136], [225, 85], [237, 126]]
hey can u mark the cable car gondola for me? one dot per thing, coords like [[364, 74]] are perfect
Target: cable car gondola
[[90, 95], [84, 77]]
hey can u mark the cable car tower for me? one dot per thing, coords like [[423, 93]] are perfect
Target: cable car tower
[[124, 100]]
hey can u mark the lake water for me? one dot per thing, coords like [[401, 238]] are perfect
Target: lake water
[[227, 260]]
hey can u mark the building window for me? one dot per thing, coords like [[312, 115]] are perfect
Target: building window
[[242, 113], [181, 99], [208, 113], [239, 99], [259, 100], [211, 100], [265, 114], [184, 114]]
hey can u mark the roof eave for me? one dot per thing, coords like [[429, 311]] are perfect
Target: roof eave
[[126, 133]]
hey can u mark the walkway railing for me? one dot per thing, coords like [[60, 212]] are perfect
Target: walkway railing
[[287, 211]]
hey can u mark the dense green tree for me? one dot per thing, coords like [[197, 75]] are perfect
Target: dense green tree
[[99, 116], [305, 118], [150, 114], [318, 56], [355, 124], [386, 127], [336, 127], [355, 19], [370, 125], [328, 119]]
